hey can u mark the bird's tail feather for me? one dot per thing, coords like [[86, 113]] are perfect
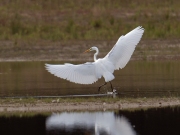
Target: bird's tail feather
[[108, 76]]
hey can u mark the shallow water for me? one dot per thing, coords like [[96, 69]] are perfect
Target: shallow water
[[137, 79], [155, 121]]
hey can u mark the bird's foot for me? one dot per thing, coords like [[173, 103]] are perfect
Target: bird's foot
[[112, 92]]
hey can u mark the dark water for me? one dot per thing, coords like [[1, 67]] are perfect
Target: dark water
[[137, 79], [155, 121]]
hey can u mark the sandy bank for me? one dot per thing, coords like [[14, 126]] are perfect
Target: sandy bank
[[55, 105]]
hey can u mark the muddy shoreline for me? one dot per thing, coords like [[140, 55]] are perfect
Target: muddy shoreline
[[99, 105]]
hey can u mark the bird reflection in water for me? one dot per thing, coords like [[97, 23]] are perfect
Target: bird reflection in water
[[97, 123]]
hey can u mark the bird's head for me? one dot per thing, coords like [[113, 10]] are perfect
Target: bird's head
[[91, 49]]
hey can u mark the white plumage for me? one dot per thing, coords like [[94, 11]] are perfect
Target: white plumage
[[90, 72]]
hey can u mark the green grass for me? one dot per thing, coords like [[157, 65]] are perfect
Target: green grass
[[63, 20]]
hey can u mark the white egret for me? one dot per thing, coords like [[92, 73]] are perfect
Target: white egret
[[90, 72]]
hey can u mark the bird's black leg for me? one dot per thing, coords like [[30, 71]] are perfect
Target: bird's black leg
[[111, 86], [101, 86]]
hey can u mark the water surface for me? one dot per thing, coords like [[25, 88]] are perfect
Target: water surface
[[137, 79], [154, 121], [105, 123]]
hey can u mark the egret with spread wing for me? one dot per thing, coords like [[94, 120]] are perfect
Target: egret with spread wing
[[90, 72]]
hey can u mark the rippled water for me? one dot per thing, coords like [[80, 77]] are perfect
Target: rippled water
[[155, 121], [137, 79]]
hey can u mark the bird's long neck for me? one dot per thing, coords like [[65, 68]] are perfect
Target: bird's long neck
[[95, 55]]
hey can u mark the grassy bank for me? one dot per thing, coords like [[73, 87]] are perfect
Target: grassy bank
[[60, 100], [84, 104], [58, 20], [85, 99]]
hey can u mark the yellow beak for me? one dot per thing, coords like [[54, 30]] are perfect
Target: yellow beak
[[87, 51]]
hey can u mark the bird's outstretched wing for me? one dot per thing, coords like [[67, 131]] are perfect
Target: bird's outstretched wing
[[82, 73], [121, 53]]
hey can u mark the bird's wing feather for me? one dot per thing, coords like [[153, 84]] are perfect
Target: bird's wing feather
[[82, 73], [121, 53]]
